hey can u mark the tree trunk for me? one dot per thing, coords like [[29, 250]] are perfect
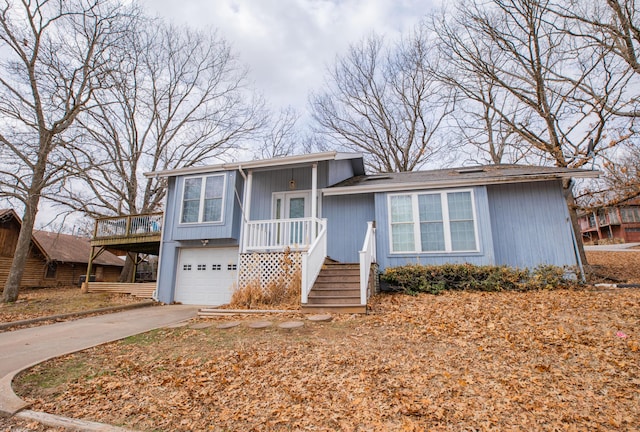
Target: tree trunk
[[573, 215], [127, 271], [21, 254]]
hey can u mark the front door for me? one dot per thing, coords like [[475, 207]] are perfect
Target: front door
[[291, 205]]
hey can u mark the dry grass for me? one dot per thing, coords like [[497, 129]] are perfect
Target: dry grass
[[545, 360], [280, 294], [615, 266], [36, 303]]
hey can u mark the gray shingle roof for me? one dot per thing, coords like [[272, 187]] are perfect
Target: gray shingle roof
[[477, 175]]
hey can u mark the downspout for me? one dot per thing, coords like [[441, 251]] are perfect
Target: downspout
[[154, 295], [244, 204]]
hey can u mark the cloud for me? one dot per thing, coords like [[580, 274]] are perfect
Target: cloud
[[288, 43]]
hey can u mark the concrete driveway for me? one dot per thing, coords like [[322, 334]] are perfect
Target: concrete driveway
[[21, 349], [619, 247]]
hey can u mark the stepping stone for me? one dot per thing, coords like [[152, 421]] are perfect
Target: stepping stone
[[178, 325], [320, 317], [228, 325], [259, 324], [291, 325], [200, 326]]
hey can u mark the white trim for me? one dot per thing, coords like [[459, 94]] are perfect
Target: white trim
[[446, 222], [274, 162], [202, 197], [440, 184]]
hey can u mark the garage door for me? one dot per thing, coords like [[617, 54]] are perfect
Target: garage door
[[206, 276]]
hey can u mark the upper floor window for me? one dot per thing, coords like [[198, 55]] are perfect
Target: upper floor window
[[432, 222], [202, 199]]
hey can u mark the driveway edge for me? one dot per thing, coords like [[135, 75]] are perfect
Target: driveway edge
[[10, 324]]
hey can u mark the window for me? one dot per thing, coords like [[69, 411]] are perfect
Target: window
[[432, 222], [202, 199], [630, 214]]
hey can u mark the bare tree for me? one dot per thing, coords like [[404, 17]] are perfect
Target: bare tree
[[55, 56], [385, 103], [611, 27], [178, 99], [530, 53], [479, 126], [280, 137]]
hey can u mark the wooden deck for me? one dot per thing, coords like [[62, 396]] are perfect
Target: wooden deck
[[132, 233]]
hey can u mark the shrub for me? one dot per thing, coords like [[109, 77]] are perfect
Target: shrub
[[414, 278]]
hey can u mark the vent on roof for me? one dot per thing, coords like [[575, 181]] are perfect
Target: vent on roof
[[378, 177], [470, 170]]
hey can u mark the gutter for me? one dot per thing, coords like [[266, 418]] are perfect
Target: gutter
[[461, 182]]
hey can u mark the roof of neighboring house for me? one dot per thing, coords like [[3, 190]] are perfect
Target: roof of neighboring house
[[65, 247], [453, 177], [72, 249], [12, 214], [355, 158]]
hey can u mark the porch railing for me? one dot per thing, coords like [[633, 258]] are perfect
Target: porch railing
[[277, 234], [367, 257], [129, 226], [313, 259]]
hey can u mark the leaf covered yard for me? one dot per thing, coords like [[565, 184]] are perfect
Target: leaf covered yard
[[543, 360]]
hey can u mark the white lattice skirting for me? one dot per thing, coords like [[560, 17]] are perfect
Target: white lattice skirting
[[268, 268]]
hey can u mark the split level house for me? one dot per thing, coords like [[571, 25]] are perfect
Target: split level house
[[320, 219], [54, 259]]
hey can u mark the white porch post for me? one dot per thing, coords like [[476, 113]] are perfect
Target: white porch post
[[314, 190], [246, 204]]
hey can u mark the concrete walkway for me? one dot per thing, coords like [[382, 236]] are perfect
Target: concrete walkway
[[21, 349], [618, 247]]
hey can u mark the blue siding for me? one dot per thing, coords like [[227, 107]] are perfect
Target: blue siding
[[265, 183], [227, 229], [347, 218], [530, 223], [339, 170], [483, 257]]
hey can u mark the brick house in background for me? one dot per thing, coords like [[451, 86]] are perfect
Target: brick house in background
[[621, 221], [54, 259]]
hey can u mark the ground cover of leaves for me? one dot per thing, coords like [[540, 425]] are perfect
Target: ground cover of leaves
[[620, 266], [41, 302], [543, 360]]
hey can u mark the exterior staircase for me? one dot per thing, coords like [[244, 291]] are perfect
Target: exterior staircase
[[337, 289]]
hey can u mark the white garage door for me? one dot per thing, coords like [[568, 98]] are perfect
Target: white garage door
[[206, 276]]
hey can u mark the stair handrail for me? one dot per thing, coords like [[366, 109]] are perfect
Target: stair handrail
[[367, 257], [312, 260]]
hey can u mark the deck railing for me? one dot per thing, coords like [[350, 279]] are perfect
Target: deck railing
[[367, 257], [278, 234], [312, 260], [129, 226]]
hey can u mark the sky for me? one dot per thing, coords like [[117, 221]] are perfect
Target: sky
[[288, 44]]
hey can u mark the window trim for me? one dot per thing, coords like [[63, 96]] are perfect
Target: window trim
[[444, 203], [202, 198]]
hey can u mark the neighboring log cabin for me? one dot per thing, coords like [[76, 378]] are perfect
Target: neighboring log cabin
[[54, 259]]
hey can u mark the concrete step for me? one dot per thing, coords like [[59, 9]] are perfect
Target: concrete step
[[333, 308]]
